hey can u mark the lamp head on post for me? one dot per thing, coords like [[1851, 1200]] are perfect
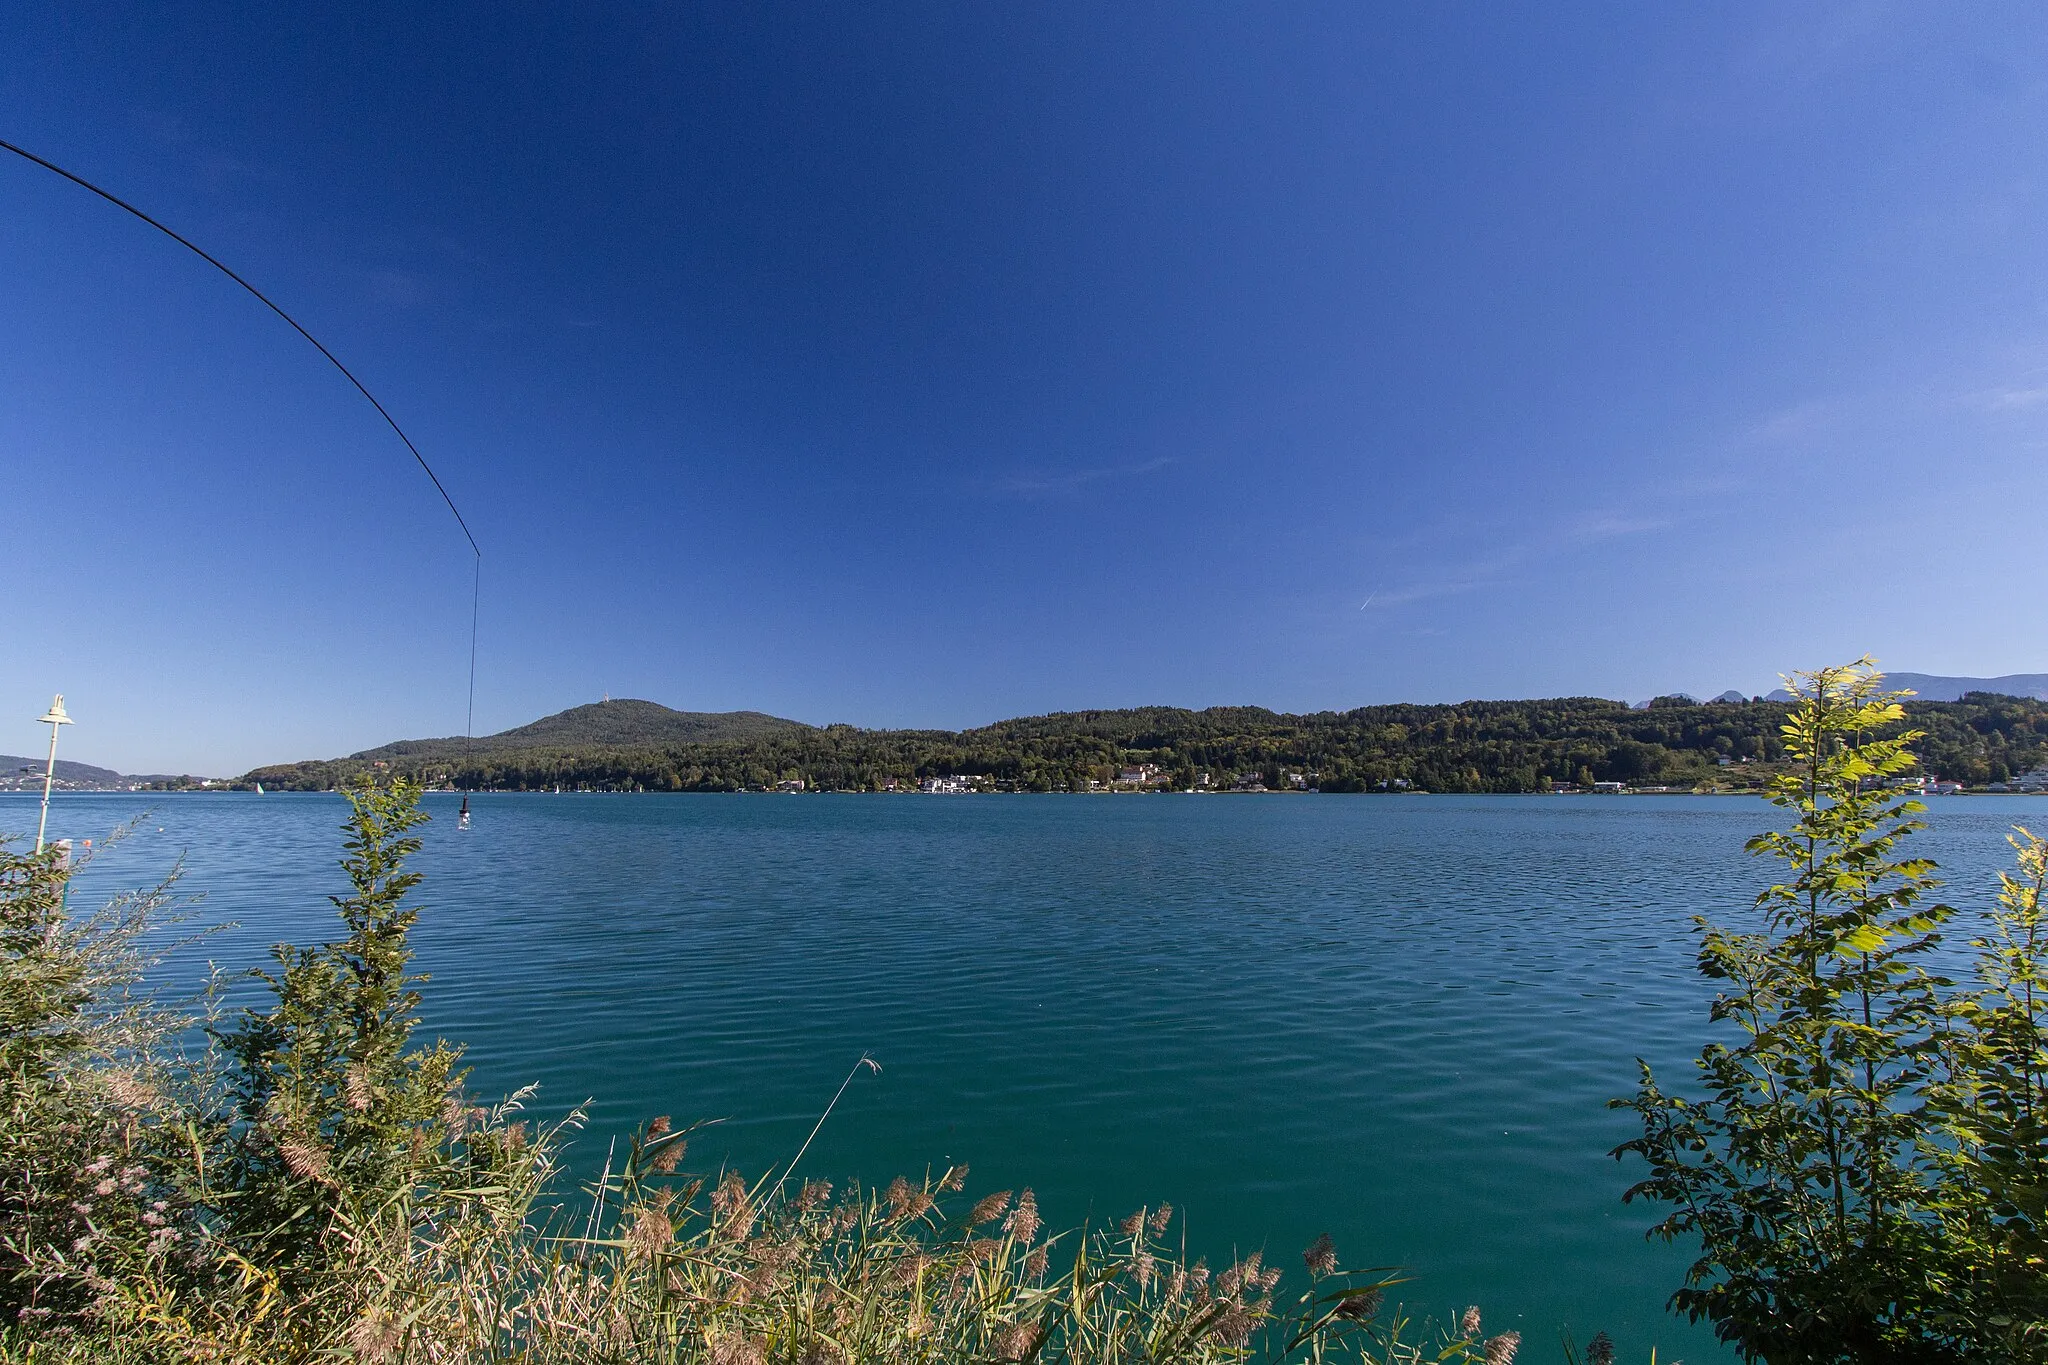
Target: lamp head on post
[[53, 718]]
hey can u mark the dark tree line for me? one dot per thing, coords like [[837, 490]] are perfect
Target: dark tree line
[[1499, 746]]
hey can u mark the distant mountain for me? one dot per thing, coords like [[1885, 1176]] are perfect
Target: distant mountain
[[1936, 687], [12, 767], [611, 724], [1933, 687], [21, 773], [1731, 696]]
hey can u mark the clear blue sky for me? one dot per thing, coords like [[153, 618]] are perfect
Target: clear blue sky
[[924, 365]]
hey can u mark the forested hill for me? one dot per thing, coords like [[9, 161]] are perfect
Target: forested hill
[[22, 768], [608, 724], [1493, 746]]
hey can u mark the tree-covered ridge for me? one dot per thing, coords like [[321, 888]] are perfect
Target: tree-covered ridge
[[612, 723], [1478, 746]]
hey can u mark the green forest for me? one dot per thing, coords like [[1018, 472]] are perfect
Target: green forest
[[1490, 746]]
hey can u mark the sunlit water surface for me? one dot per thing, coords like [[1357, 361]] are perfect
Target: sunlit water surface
[[1392, 1019]]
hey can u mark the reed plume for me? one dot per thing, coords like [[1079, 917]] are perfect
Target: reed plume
[[1024, 1222], [1019, 1342], [377, 1335], [1363, 1307], [987, 1207], [306, 1160]]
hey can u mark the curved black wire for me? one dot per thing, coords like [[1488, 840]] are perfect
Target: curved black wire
[[476, 593]]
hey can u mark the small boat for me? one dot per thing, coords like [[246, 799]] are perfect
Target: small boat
[[462, 818], [259, 789]]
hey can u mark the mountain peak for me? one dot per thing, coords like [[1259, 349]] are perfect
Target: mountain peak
[[1936, 687], [1941, 687], [615, 722]]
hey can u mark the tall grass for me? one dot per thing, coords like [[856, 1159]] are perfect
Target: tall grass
[[284, 1196]]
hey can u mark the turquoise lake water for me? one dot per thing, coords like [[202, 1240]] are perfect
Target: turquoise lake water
[[1393, 1019]]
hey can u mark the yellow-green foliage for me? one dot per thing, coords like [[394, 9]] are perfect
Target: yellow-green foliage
[[1862, 1154]]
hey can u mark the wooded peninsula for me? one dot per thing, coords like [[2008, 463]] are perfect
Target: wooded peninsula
[[1474, 746]]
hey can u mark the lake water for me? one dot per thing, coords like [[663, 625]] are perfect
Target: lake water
[[1391, 1019]]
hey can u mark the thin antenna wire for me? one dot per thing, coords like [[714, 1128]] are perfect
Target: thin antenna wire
[[476, 592], [264, 299]]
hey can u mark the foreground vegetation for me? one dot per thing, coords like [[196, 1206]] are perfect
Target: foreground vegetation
[[313, 1185], [1508, 746], [1861, 1157], [1863, 1154]]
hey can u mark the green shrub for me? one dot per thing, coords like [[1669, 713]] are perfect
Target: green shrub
[[337, 1114], [98, 1120], [1989, 1101], [1865, 1169]]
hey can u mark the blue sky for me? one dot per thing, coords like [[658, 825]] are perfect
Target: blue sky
[[925, 365]]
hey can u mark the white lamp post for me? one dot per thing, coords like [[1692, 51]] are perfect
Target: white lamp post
[[53, 718]]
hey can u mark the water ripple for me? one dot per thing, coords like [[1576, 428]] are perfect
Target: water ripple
[[1395, 1020]]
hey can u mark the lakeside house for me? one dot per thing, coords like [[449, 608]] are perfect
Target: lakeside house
[[2033, 782], [1932, 784]]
